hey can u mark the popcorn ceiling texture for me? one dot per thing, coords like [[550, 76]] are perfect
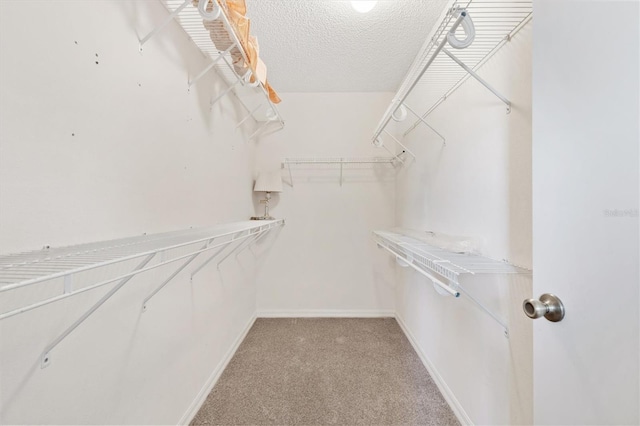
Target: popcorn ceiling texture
[[326, 46]]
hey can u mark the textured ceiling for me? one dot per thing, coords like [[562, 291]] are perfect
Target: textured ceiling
[[326, 46]]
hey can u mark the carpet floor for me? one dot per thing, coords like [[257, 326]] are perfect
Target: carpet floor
[[321, 371]]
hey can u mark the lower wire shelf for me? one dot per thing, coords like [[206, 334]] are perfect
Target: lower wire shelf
[[444, 268], [39, 278]]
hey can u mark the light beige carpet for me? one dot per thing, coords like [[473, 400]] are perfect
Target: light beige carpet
[[321, 371]]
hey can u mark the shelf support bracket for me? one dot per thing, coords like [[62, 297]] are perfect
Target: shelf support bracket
[[486, 310], [253, 111], [211, 65], [341, 166], [45, 361], [444, 141], [433, 279], [213, 256], [426, 66], [172, 276], [407, 150], [254, 235], [480, 79], [258, 130], [164, 23], [254, 241], [288, 164], [227, 90]]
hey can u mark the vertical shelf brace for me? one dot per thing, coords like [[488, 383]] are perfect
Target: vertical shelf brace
[[248, 116], [172, 276], [210, 66], [206, 262], [407, 150], [477, 77], [45, 361], [425, 122], [250, 234], [164, 23]]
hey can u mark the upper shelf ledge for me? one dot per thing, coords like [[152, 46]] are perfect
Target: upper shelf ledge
[[476, 30], [206, 20]]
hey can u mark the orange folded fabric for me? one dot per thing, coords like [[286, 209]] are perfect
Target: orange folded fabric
[[235, 11]]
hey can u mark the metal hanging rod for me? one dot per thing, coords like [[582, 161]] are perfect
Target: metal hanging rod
[[191, 21], [21, 271], [432, 261], [433, 77]]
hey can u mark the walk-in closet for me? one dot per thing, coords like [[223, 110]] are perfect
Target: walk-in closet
[[314, 212]]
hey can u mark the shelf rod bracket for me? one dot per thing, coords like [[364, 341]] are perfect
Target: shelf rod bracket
[[211, 65], [433, 279], [45, 361], [290, 175], [254, 235], [480, 79], [258, 130], [172, 276], [228, 89], [486, 310], [401, 145], [253, 111], [424, 69], [444, 141], [164, 23], [233, 71], [389, 151], [206, 262], [254, 241]]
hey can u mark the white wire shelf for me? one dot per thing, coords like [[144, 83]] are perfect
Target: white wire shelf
[[34, 279], [443, 267], [437, 72], [341, 163], [253, 97]]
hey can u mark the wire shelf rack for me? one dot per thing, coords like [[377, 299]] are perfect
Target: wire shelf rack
[[340, 163], [436, 73], [34, 279], [253, 97], [443, 267]]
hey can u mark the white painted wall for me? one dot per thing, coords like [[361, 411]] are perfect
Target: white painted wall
[[586, 142], [478, 186], [324, 261], [90, 152]]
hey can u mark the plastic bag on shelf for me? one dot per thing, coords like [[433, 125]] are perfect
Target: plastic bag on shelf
[[452, 243]]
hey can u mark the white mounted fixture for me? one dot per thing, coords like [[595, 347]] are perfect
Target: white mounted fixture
[[444, 268], [267, 182], [339, 161], [35, 279], [200, 21], [434, 77], [363, 6]]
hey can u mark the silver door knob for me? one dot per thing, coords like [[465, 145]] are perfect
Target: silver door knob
[[549, 306]]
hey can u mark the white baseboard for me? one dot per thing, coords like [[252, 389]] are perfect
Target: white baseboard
[[326, 313], [215, 375], [453, 402]]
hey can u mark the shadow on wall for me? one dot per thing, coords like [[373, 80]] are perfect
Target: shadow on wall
[[182, 52], [519, 156]]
